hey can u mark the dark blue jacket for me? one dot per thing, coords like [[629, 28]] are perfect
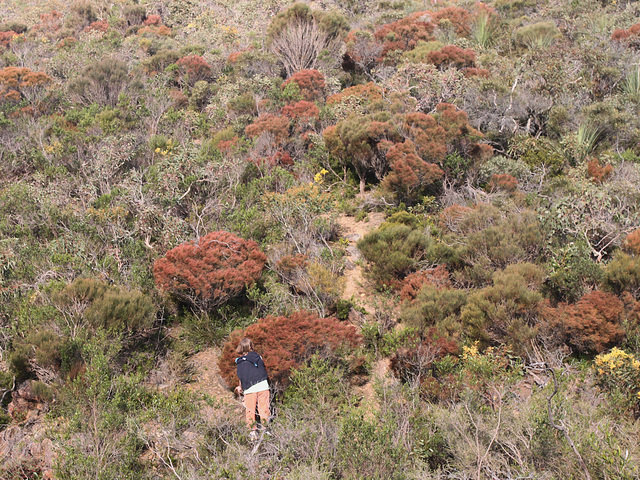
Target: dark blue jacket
[[251, 370]]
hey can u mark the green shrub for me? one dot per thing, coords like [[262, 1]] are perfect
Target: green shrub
[[537, 153], [102, 306], [434, 307], [393, 250], [622, 274], [486, 239], [506, 312], [571, 272], [13, 26], [369, 448], [121, 311], [161, 60], [42, 392], [318, 385]]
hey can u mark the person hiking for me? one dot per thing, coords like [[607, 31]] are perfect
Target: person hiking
[[254, 383]]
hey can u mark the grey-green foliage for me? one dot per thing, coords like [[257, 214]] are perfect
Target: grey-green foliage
[[101, 82], [499, 165]]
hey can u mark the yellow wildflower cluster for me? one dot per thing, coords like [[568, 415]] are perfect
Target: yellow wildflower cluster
[[107, 213], [167, 149], [54, 148], [227, 30], [614, 360], [319, 177], [470, 352]]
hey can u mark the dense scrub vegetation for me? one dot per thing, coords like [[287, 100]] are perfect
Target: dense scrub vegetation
[[172, 175]]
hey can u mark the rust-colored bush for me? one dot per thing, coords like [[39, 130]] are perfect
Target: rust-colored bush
[[6, 37], [597, 172], [632, 242], [410, 174], [288, 342], [302, 110], [452, 56], [590, 325], [153, 20], [630, 36], [404, 34], [210, 271], [503, 181], [274, 124], [194, 68], [437, 277], [476, 72], [97, 26], [278, 159], [310, 82], [15, 82], [459, 18]]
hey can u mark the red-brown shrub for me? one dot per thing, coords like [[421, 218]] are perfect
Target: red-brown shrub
[[97, 26], [404, 34], [409, 173], [155, 30], [310, 82], [153, 20], [437, 277], [302, 110], [278, 159], [67, 42], [630, 36], [287, 342], [194, 68], [598, 173], [452, 56], [632, 242], [210, 271], [503, 181], [5, 38], [49, 22], [590, 325], [14, 81], [274, 124], [458, 17], [476, 72]]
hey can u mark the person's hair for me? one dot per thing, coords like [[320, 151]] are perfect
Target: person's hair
[[245, 346]]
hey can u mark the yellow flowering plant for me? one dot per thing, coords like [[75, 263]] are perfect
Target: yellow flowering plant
[[619, 370]]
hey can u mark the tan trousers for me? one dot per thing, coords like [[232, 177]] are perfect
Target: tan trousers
[[250, 400]]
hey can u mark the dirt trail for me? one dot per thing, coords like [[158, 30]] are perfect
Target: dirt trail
[[355, 284], [207, 381], [358, 291]]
